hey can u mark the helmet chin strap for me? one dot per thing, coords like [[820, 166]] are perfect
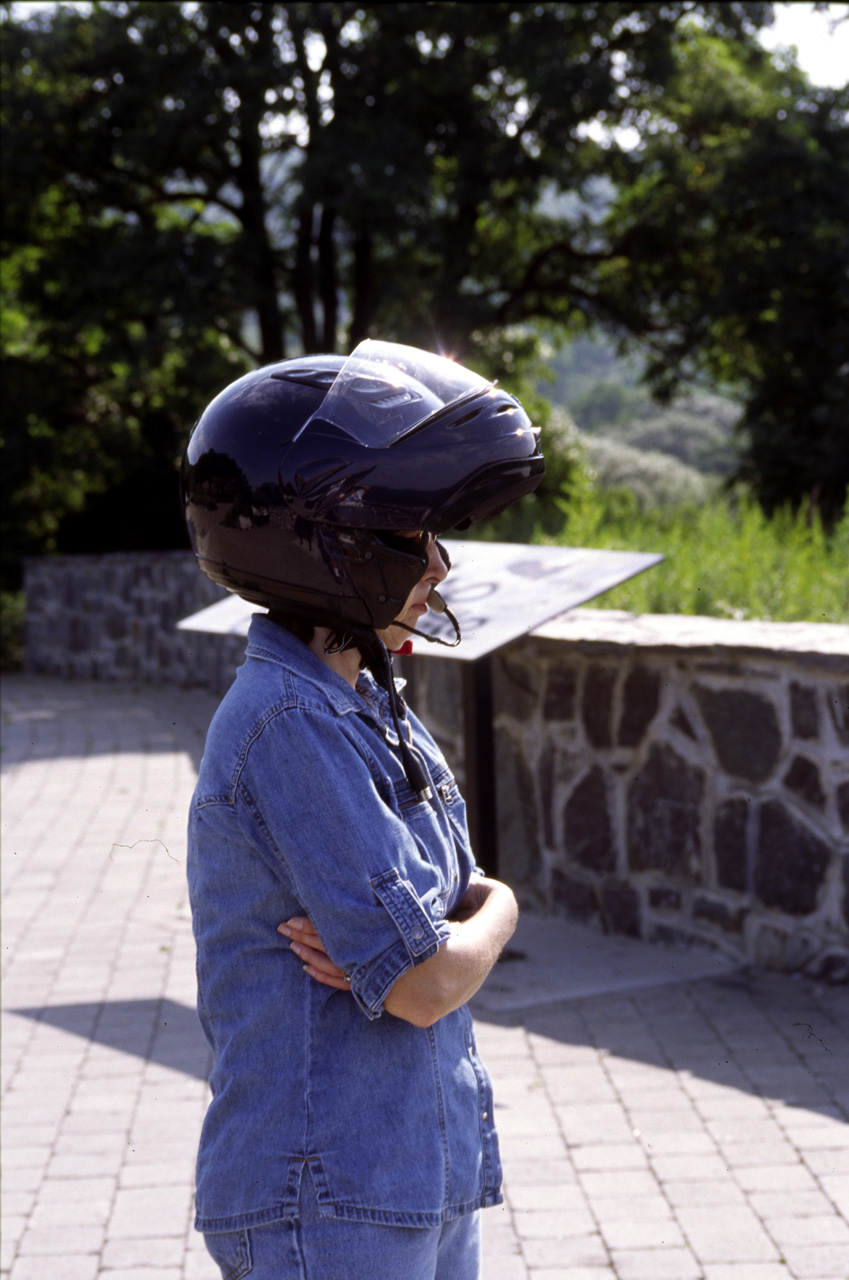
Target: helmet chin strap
[[438, 605], [377, 658]]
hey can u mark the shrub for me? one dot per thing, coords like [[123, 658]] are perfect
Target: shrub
[[725, 558], [655, 478]]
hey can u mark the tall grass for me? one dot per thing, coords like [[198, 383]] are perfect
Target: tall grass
[[724, 558]]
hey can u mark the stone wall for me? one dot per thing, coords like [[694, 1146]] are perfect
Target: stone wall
[[113, 617], [677, 779], [671, 778]]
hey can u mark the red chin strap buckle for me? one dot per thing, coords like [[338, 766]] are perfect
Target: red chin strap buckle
[[405, 650]]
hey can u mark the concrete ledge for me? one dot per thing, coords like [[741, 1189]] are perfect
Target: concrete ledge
[[826, 644]]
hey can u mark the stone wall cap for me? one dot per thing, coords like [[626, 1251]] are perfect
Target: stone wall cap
[[605, 627]]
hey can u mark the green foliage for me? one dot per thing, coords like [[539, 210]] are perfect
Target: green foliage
[[740, 210], [729, 559], [724, 556], [190, 189], [602, 389], [655, 479], [697, 429]]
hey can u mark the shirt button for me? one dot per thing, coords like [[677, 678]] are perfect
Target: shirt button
[[418, 932], [485, 1115]]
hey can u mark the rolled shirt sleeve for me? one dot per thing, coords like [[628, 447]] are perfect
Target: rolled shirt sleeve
[[329, 815]]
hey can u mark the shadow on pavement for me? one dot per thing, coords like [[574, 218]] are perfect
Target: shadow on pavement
[[760, 1033], [159, 1031], [47, 718], [767, 1034]]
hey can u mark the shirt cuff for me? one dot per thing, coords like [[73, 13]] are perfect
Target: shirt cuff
[[420, 939]]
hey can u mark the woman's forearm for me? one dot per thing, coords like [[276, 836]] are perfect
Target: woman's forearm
[[448, 979]]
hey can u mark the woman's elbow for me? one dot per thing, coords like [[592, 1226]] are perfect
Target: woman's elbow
[[418, 1000]]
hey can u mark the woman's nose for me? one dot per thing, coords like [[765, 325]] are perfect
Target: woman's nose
[[437, 570]]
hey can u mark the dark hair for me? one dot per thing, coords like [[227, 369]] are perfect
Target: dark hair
[[301, 628]]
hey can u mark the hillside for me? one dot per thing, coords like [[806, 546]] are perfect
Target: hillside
[[600, 391]]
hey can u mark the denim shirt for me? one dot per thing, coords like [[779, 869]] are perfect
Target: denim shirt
[[302, 807]]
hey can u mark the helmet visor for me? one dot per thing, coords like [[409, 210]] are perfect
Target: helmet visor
[[386, 390]]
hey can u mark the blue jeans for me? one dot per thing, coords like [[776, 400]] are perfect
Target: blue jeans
[[315, 1248]]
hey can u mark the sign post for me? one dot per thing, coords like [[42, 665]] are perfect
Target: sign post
[[479, 750], [498, 592]]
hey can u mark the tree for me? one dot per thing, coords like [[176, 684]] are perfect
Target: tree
[[737, 231], [195, 187]]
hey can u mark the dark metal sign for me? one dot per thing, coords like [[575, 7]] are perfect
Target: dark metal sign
[[498, 591]]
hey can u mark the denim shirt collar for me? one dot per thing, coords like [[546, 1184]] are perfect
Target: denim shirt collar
[[272, 643]]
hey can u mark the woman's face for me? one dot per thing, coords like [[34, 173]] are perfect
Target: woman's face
[[415, 606]]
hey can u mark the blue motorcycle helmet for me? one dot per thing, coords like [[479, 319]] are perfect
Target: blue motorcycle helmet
[[298, 477]]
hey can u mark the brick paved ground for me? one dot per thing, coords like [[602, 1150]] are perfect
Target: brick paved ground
[[688, 1131]]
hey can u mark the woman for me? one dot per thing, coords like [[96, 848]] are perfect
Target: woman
[[350, 1134]]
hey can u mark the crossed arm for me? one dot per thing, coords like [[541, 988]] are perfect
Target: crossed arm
[[481, 929]]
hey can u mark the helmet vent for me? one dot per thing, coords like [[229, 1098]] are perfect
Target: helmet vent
[[467, 417], [309, 476], [321, 379]]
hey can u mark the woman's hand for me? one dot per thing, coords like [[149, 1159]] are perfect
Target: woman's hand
[[309, 948]]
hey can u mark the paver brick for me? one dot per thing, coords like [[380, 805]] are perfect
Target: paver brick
[[782, 1177], [610, 1155], [836, 1188], [504, 1266], [73, 1239], [150, 1212], [70, 1213], [818, 1262], [62, 1267], [90, 1166], [782, 1204], [728, 1097], [540, 1168], [814, 1229], [641, 1233], [739, 1154], [201, 1267], [746, 1271], [594, 1122], [741, 1237], [825, 1161], [577, 1251], [538, 1196], [656, 1264], [144, 1273], [53, 1190], [693, 1168], [621, 1208], [546, 1224], [630, 1182], [693, 1143], [148, 1252], [822, 1137], [571, 1273]]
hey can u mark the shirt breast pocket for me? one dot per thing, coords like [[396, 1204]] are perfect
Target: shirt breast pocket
[[454, 807]]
